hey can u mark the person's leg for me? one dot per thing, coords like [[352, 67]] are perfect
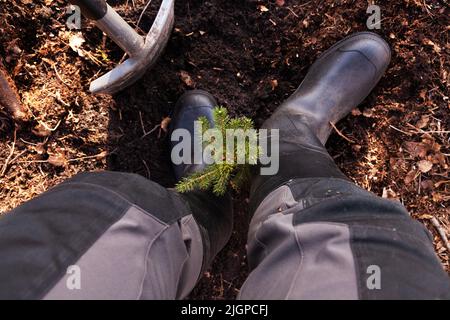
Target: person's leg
[[111, 235], [316, 235]]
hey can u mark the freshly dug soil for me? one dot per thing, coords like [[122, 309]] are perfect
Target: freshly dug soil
[[251, 55]]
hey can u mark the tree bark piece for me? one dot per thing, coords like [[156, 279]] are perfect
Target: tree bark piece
[[9, 98]]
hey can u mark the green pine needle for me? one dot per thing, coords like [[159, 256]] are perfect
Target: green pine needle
[[220, 176]]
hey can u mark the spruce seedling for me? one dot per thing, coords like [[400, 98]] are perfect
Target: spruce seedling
[[221, 175]]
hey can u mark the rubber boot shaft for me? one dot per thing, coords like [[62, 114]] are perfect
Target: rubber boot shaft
[[213, 214]]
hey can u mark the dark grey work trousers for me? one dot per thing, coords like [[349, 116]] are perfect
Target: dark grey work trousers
[[111, 235]]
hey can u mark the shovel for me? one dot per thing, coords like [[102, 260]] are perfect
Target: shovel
[[142, 51]]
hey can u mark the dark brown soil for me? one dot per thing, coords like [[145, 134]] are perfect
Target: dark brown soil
[[250, 59]]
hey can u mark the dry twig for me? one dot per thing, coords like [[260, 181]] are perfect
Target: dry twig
[[151, 131], [341, 134], [9, 97], [441, 231], [401, 131], [143, 12], [5, 166]]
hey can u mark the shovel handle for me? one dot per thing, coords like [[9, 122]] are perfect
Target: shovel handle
[[91, 9]]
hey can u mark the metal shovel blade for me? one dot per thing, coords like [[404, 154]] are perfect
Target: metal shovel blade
[[142, 57]]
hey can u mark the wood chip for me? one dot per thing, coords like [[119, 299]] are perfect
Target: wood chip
[[57, 160], [424, 165], [187, 79], [165, 123]]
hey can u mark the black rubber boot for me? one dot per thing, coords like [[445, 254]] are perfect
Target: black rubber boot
[[336, 83], [213, 214], [340, 79]]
